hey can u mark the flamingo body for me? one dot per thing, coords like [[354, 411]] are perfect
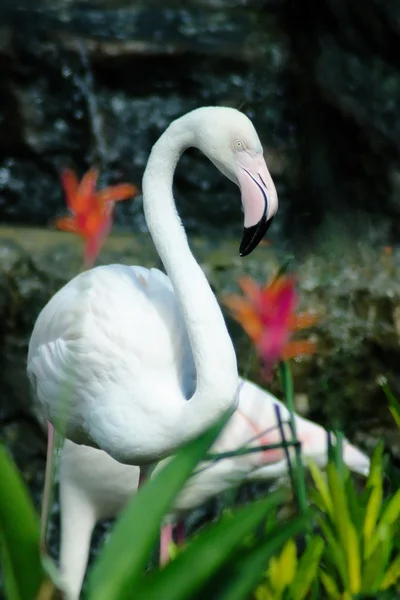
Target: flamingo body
[[137, 363], [93, 486], [88, 326]]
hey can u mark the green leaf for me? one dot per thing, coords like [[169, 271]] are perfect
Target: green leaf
[[375, 472], [374, 568], [354, 559], [205, 554], [392, 511], [263, 592], [19, 526], [335, 552], [307, 568], [356, 503], [341, 519], [297, 475], [330, 586], [124, 557], [273, 577], [371, 517], [390, 515], [395, 414], [10, 583], [338, 453], [287, 564], [392, 575], [322, 488], [394, 404]]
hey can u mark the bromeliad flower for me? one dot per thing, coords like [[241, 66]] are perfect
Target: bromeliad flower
[[268, 316], [91, 210]]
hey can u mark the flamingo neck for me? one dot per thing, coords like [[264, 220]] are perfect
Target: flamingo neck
[[213, 352]]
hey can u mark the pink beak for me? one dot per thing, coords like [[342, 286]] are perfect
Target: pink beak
[[259, 199]]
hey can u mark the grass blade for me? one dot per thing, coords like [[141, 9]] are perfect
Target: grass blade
[[354, 559], [330, 586], [322, 488], [299, 472], [392, 575], [307, 569], [124, 557], [371, 517], [335, 552], [374, 568], [341, 514], [19, 525], [394, 404], [10, 583]]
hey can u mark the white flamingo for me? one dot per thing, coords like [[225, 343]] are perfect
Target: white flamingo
[[93, 486], [127, 347]]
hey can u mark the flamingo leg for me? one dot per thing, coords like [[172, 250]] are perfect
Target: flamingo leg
[[165, 540], [142, 477], [48, 480], [78, 519], [180, 533]]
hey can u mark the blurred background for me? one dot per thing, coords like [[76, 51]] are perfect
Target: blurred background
[[97, 82]]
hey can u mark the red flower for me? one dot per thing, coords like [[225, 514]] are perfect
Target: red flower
[[268, 316], [91, 210]]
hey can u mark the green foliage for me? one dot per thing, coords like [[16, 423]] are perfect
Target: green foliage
[[24, 574], [220, 558], [394, 404], [360, 532], [289, 576], [227, 555], [352, 540], [297, 474]]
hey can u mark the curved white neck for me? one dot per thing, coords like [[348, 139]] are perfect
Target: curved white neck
[[213, 352]]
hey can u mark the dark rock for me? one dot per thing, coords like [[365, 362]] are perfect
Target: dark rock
[[345, 79], [86, 82], [99, 82]]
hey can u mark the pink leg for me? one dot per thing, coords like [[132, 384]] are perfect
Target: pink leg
[[165, 540], [48, 480], [180, 533], [142, 477]]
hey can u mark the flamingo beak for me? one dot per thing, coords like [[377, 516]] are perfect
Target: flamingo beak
[[259, 199]]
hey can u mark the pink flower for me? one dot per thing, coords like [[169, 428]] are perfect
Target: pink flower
[[268, 315]]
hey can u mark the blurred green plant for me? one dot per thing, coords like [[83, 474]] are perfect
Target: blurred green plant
[[217, 556], [355, 550], [394, 404], [25, 576], [289, 576], [361, 532]]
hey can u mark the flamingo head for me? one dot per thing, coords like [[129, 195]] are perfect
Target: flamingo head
[[228, 138]]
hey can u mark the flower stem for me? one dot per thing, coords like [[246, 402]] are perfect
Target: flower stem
[[252, 450], [299, 476], [339, 453]]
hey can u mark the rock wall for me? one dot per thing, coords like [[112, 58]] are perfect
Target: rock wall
[[97, 82]]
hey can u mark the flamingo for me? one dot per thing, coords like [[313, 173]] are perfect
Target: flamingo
[[144, 360], [93, 486]]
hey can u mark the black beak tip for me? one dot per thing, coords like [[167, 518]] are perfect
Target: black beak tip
[[252, 236]]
